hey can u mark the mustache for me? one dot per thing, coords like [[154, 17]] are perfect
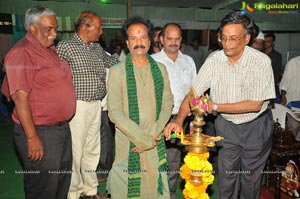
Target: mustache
[[174, 45], [52, 37], [139, 46]]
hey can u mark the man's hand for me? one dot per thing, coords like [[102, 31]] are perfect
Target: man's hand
[[283, 97], [35, 149], [283, 101], [172, 127], [210, 106], [154, 141], [138, 150]]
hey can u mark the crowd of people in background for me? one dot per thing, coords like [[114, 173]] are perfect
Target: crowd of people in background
[[87, 107]]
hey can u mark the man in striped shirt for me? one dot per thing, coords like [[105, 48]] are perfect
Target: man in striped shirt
[[241, 84]]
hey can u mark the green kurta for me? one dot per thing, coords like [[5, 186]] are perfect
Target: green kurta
[[141, 135]]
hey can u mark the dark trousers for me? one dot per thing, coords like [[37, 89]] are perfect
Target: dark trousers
[[50, 177], [174, 150], [243, 153], [107, 133]]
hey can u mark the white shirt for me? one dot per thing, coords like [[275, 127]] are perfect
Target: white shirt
[[103, 102], [181, 73], [291, 80]]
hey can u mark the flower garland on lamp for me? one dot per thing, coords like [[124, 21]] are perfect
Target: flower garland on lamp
[[197, 171]]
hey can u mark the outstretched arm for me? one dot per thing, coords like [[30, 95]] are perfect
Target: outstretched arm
[[246, 106], [176, 126]]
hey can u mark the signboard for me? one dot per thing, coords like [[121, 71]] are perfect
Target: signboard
[[112, 22]]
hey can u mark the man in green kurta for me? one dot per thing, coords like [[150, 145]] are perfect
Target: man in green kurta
[[139, 103]]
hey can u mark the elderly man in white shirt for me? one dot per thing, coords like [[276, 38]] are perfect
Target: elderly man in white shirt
[[290, 91], [182, 72], [289, 85]]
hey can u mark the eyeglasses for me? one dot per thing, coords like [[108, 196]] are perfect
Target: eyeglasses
[[232, 39]]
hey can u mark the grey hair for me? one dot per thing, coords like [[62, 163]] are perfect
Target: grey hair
[[33, 15]]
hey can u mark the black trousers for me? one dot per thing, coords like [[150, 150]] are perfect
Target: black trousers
[[107, 134], [174, 150], [243, 153], [50, 177]]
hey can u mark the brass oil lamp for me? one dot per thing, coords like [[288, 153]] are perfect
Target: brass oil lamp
[[197, 142]]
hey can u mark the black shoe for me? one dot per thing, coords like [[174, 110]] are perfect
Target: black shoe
[[97, 196], [89, 197]]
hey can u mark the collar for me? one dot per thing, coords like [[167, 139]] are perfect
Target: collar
[[242, 60], [34, 41], [80, 41], [163, 53]]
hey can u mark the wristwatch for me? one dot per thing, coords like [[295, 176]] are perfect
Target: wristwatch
[[215, 109]]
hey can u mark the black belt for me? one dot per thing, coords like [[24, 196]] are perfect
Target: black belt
[[263, 113], [53, 125], [59, 124]]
